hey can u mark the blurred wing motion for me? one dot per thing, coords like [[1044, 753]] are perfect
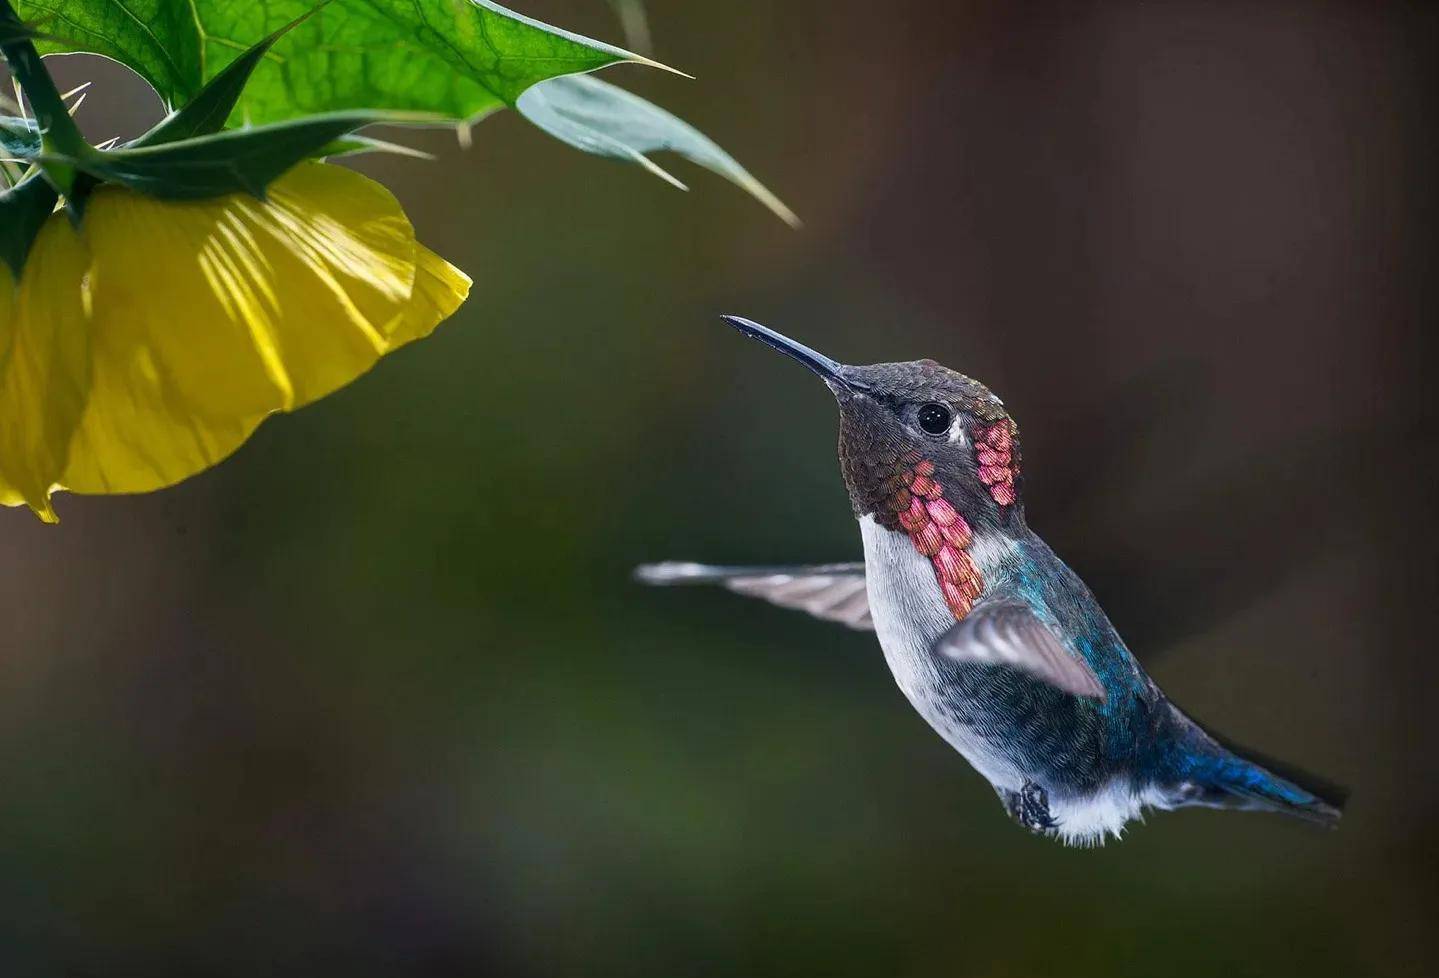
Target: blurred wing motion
[[834, 592], [1003, 633]]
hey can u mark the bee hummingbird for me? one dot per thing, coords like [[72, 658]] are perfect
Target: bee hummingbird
[[998, 645]]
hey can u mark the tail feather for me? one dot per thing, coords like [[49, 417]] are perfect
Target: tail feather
[[1220, 774], [1255, 784]]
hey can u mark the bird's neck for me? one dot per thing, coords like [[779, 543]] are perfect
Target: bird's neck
[[909, 603], [952, 521]]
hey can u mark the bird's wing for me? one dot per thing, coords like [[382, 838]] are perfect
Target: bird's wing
[[834, 592], [1007, 633]]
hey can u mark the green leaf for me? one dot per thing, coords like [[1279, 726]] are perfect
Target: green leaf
[[457, 58], [597, 117], [19, 138], [23, 208], [208, 111], [243, 160]]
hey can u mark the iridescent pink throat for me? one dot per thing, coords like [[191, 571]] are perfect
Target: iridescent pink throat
[[994, 447], [936, 528]]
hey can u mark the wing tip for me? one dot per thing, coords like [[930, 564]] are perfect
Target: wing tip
[[668, 572]]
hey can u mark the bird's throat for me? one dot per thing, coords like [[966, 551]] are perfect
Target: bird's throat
[[938, 532], [995, 454]]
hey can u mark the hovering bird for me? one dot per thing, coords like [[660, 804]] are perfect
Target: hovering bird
[[997, 644]]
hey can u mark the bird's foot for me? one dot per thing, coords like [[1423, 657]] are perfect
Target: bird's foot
[[1029, 806]]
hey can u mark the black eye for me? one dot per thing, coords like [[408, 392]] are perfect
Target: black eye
[[935, 419]]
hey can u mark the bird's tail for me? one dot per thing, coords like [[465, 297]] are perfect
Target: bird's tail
[[1219, 774]]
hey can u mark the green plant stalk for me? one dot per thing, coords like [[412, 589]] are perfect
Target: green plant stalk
[[59, 134]]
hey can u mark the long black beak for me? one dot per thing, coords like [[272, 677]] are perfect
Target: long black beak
[[828, 370]]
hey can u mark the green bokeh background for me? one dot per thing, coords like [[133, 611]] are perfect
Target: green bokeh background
[[377, 696]]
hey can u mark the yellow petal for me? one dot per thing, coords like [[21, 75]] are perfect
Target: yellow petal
[[251, 306], [9, 495], [440, 288], [44, 375], [136, 435], [209, 315]]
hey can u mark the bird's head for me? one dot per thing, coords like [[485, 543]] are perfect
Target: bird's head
[[916, 440]]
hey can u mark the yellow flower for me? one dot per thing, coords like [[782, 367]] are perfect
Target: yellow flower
[[148, 344]]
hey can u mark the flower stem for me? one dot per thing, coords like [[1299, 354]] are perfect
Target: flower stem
[[59, 133]]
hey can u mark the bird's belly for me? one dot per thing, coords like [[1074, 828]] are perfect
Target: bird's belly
[[991, 759], [909, 615]]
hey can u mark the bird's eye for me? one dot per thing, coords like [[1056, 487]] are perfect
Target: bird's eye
[[935, 419]]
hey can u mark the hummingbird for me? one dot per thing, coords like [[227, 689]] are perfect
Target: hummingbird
[[997, 644]]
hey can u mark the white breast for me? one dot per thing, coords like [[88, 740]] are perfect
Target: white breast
[[909, 616]]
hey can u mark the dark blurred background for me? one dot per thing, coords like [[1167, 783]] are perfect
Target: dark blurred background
[[377, 696]]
